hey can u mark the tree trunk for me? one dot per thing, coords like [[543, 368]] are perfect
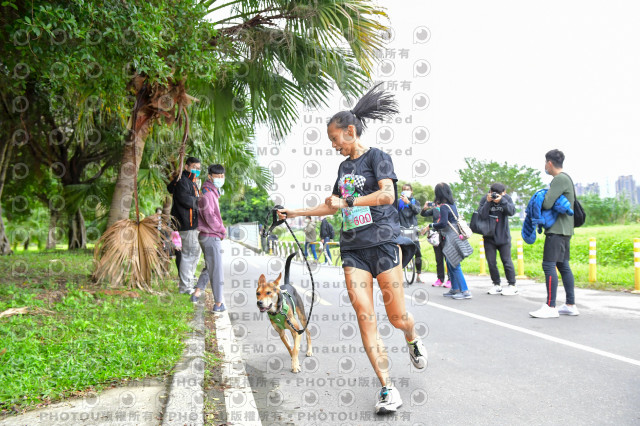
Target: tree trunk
[[26, 243], [53, 227], [129, 165], [166, 206], [5, 245], [5, 158], [77, 232]]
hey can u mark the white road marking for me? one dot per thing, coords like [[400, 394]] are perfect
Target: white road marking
[[536, 334]]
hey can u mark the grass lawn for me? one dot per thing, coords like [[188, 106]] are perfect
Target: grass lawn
[[78, 337], [615, 269]]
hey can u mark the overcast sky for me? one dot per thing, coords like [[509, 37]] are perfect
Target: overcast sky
[[496, 80]]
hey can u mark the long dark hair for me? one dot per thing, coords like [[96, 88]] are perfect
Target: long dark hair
[[374, 105], [443, 194]]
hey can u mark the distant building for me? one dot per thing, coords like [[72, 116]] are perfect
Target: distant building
[[626, 187], [590, 188]]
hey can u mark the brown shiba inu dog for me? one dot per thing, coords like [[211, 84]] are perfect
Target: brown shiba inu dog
[[282, 302]]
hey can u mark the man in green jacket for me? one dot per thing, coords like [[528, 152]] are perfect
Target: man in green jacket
[[557, 241]]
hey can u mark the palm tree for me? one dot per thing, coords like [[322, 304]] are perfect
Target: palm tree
[[273, 55]]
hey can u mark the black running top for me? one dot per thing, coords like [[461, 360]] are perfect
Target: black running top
[[371, 167]]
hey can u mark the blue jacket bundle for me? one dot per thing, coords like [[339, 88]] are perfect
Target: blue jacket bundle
[[537, 217]]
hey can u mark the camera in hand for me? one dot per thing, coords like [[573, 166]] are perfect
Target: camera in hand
[[494, 195]]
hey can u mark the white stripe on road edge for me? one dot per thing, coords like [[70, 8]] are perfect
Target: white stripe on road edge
[[537, 334], [238, 397]]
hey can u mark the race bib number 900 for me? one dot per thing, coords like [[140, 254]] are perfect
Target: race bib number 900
[[356, 216]]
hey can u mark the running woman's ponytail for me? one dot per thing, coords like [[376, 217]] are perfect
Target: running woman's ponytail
[[375, 105]]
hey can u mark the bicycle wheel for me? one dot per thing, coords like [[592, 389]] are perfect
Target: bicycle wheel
[[410, 271]]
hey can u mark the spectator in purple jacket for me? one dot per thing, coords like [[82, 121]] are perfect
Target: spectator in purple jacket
[[212, 231]]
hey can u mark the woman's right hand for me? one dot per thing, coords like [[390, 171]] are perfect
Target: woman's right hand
[[286, 214]]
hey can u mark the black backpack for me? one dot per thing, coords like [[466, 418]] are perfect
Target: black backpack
[[579, 216]]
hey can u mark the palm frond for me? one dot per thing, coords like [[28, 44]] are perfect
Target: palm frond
[[132, 253]]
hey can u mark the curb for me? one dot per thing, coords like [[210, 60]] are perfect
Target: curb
[[238, 396], [185, 404]]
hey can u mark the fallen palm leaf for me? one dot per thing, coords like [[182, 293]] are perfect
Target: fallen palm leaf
[[14, 311], [24, 310]]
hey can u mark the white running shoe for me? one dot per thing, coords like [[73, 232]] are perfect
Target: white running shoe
[[388, 400], [497, 289], [510, 290], [418, 353], [568, 310], [545, 312]]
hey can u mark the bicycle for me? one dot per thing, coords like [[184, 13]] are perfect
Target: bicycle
[[409, 271]]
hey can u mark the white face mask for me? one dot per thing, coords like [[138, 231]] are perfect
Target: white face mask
[[218, 182], [406, 193], [307, 220]]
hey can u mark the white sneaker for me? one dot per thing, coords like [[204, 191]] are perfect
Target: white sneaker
[[545, 312], [418, 353], [568, 310], [388, 400], [497, 289], [510, 290]]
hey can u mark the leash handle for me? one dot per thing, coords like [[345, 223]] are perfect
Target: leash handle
[[275, 221]]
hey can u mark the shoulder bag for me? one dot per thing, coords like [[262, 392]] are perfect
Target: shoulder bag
[[485, 227], [463, 229]]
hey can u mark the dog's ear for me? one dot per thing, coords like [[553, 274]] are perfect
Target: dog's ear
[[277, 280], [262, 279]]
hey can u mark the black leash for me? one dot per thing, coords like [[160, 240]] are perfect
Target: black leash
[[275, 222]]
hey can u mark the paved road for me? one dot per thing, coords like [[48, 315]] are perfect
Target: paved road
[[489, 362]]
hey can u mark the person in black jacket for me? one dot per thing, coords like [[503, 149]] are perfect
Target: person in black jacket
[[326, 235], [498, 204], [185, 209], [432, 209], [408, 211]]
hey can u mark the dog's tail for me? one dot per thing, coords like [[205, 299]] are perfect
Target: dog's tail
[[286, 267]]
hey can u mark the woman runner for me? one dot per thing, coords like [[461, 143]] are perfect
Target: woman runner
[[370, 242]]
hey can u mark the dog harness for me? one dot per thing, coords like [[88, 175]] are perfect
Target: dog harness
[[280, 317]]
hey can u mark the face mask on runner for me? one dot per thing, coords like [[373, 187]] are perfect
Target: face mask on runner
[[195, 172]]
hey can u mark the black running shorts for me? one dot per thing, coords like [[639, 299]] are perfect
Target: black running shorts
[[376, 259]]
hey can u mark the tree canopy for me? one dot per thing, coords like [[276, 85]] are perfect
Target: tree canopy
[[478, 175]]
